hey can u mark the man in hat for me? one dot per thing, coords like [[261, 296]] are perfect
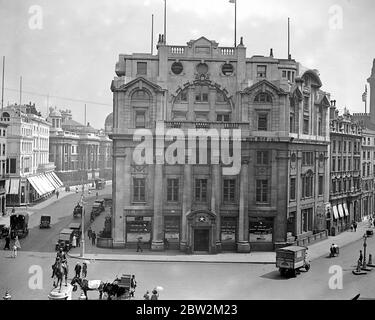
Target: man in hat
[[77, 270], [155, 295], [139, 248], [146, 296]]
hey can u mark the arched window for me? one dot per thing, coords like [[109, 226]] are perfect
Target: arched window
[[263, 97]]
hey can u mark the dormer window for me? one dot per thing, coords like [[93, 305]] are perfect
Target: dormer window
[[261, 71]]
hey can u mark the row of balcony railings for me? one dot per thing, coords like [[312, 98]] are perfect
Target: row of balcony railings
[[182, 50]]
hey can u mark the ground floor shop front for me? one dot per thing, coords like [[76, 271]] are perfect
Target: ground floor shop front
[[200, 231], [26, 190]]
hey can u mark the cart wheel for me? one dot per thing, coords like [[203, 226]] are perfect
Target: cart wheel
[[307, 267], [293, 273]]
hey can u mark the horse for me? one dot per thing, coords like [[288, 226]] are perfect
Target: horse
[[89, 285], [60, 270]]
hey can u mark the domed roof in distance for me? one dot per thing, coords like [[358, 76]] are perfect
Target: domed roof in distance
[[109, 120], [55, 113]]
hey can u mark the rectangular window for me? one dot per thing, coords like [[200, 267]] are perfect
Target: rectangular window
[[284, 73], [333, 164], [262, 191], [292, 189], [321, 186], [201, 94], [201, 190], [349, 164], [344, 165], [339, 164], [305, 125], [306, 221], [308, 158], [349, 146], [12, 165], [344, 146], [139, 190], [262, 122], [172, 189], [340, 146], [263, 157], [140, 119], [142, 68], [334, 146], [222, 117], [229, 190], [261, 71]]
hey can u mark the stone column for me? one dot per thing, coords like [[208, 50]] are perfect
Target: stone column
[[157, 226], [243, 244], [215, 201], [186, 205]]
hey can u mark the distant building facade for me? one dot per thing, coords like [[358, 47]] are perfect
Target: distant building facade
[[3, 161], [280, 193], [81, 153], [345, 184], [31, 176]]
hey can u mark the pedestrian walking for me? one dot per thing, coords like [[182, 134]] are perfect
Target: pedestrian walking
[[93, 238], [133, 285], [155, 295], [146, 296], [14, 251], [97, 194], [360, 256], [76, 189], [17, 243], [139, 247], [77, 270], [74, 241], [351, 227], [89, 233], [84, 270], [57, 194], [355, 226], [7, 243]]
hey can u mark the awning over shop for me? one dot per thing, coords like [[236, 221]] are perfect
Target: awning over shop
[[57, 179], [335, 212], [47, 184], [51, 180], [346, 211], [40, 184], [341, 211], [14, 186], [7, 185], [35, 185]]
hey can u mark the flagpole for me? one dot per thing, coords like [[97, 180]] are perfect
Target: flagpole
[[165, 21], [235, 23], [152, 34], [2, 87]]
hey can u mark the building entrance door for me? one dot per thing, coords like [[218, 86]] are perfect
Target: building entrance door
[[201, 240]]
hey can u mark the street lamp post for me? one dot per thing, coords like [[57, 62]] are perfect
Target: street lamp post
[[82, 227], [364, 250]]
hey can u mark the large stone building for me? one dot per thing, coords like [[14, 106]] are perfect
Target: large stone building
[[81, 153], [31, 175], [280, 192], [345, 185]]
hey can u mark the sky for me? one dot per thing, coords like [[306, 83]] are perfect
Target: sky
[[66, 51]]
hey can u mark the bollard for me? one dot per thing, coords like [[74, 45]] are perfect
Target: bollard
[[7, 296], [370, 259]]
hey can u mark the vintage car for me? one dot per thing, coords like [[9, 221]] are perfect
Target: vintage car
[[77, 211], [99, 184], [291, 259], [65, 240], [98, 207], [76, 226], [19, 225], [45, 222]]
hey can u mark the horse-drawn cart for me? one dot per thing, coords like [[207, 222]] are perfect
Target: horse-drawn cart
[[124, 283]]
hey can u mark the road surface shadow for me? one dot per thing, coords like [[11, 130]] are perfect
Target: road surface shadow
[[274, 275]]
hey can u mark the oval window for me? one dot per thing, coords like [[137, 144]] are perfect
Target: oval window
[[227, 69], [202, 68], [177, 67]]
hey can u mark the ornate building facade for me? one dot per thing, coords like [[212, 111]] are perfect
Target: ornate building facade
[[81, 153], [279, 193], [345, 185]]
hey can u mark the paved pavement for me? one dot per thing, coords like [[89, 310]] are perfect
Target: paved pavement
[[315, 250]]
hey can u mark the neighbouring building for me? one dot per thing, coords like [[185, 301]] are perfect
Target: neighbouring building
[[345, 184], [81, 153], [31, 176], [367, 122], [278, 195], [4, 183]]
